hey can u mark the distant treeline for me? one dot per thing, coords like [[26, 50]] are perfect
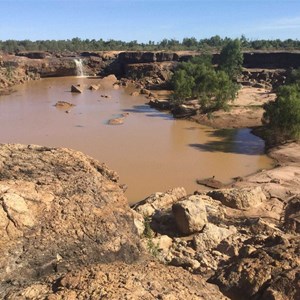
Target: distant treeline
[[77, 44]]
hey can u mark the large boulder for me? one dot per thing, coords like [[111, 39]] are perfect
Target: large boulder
[[190, 215], [243, 198], [59, 209]]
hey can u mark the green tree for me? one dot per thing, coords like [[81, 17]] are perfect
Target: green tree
[[183, 84], [231, 58], [215, 91], [197, 79], [282, 116]]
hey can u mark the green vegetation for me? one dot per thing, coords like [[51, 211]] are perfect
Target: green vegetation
[[214, 88], [231, 59], [294, 77], [282, 116], [149, 234], [77, 44]]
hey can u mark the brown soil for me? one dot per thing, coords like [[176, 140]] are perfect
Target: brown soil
[[245, 111]]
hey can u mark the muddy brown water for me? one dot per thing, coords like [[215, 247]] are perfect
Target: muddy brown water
[[151, 151]]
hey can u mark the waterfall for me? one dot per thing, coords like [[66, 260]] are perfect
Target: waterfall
[[79, 67]]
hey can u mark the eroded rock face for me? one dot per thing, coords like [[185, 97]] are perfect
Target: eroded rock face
[[59, 209]]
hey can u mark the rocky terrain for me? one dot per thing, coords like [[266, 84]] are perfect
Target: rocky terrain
[[67, 232], [244, 238]]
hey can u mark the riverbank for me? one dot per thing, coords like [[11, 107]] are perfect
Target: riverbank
[[245, 111]]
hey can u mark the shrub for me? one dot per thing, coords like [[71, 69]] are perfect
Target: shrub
[[283, 114], [231, 59]]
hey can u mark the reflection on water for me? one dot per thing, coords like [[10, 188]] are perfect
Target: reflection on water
[[233, 141], [150, 151]]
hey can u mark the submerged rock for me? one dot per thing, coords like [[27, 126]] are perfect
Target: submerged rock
[[64, 105], [94, 87], [116, 121], [75, 89], [136, 93], [211, 183]]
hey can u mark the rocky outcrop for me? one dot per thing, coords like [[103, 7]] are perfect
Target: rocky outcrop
[[248, 242], [59, 209], [263, 78], [187, 229], [67, 232], [160, 104], [147, 57]]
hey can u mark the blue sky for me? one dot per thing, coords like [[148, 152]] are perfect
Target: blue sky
[[145, 20]]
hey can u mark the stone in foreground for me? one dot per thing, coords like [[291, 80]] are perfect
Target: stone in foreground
[[190, 216]]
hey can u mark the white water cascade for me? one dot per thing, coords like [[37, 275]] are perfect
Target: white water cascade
[[79, 67]]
